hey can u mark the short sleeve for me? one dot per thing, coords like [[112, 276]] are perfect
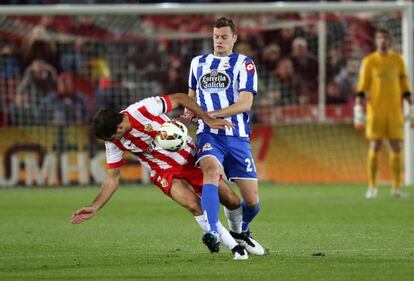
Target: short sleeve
[[364, 81], [248, 76], [114, 156]]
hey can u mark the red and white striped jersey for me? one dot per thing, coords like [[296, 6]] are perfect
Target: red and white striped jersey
[[146, 117]]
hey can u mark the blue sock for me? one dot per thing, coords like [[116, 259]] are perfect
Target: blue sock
[[210, 204], [248, 214]]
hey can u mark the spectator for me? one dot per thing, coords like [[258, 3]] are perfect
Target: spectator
[[304, 62], [336, 63], [9, 62], [175, 82], [285, 39], [270, 57], [306, 65], [39, 80], [39, 47], [116, 94], [334, 94], [64, 106], [283, 86], [72, 58]]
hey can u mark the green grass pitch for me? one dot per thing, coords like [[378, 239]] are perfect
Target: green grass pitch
[[311, 233]]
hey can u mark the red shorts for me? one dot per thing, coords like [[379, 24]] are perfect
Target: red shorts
[[193, 175]]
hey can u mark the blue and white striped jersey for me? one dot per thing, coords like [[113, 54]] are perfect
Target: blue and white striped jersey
[[218, 82]]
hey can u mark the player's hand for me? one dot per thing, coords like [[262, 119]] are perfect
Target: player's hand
[[83, 214], [218, 123], [359, 117], [189, 116]]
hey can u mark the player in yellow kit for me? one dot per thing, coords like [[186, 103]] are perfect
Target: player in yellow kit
[[383, 81]]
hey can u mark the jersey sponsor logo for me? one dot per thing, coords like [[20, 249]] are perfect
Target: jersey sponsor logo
[[214, 81], [206, 147], [249, 66], [386, 74]]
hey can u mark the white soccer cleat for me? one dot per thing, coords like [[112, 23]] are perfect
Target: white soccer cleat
[[371, 193], [240, 253], [245, 239], [398, 193]]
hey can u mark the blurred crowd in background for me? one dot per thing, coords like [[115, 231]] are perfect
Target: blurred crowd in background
[[57, 70]]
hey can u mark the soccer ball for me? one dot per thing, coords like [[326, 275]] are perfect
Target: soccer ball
[[172, 135]]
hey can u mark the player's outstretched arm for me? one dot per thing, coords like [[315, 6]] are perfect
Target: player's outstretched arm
[[188, 115], [108, 187], [244, 104], [187, 102]]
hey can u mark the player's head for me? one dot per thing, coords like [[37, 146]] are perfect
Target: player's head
[[108, 124], [224, 36], [383, 39]]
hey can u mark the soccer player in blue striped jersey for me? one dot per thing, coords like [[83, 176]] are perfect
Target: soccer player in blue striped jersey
[[224, 83]]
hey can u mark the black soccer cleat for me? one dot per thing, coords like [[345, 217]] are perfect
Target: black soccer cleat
[[211, 240], [239, 253], [245, 239]]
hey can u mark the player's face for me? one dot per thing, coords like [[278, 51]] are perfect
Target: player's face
[[382, 41], [121, 129], [223, 40]]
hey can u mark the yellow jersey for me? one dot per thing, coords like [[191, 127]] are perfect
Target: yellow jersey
[[383, 78]]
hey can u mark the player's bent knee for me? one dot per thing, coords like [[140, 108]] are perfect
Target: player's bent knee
[[211, 174], [251, 203]]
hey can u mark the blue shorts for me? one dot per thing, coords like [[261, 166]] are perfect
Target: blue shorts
[[233, 153]]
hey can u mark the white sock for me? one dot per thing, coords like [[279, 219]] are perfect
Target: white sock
[[225, 238], [234, 219], [202, 222]]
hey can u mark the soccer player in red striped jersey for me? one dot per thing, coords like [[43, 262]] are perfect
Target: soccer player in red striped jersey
[[134, 130]]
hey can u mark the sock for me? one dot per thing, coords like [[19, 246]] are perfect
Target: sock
[[202, 222], [225, 238], [395, 159], [210, 205], [372, 168], [248, 214], [234, 219]]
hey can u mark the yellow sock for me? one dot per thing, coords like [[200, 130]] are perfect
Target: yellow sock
[[372, 168], [395, 159]]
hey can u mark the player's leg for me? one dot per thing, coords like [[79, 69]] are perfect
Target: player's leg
[[193, 180], [182, 193], [228, 197], [250, 207], [185, 194], [209, 161], [376, 130], [249, 190], [396, 166], [395, 137], [232, 207], [239, 167], [372, 167]]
